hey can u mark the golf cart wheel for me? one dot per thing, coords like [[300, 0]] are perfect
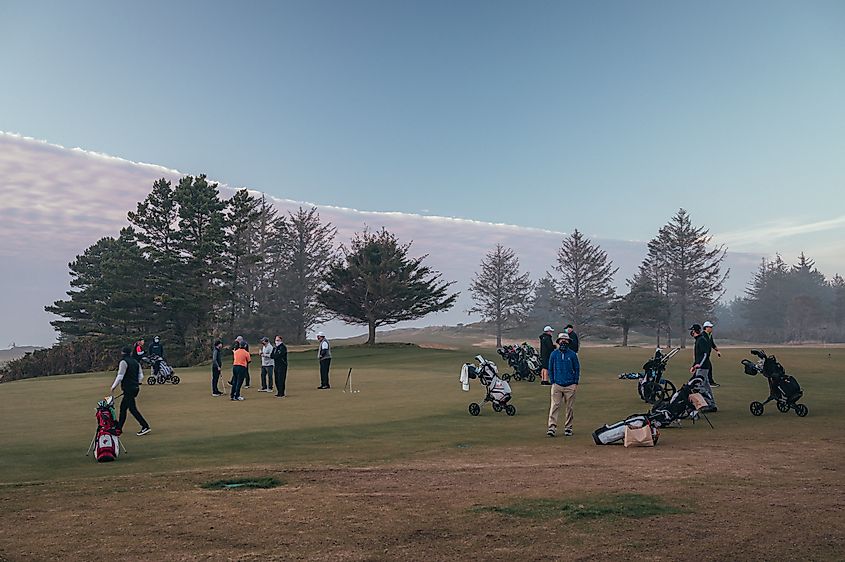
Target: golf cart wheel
[[151, 380], [497, 407], [474, 409], [668, 391], [160, 379], [510, 410], [652, 392], [756, 408], [783, 406], [532, 377], [175, 379], [801, 410], [517, 377], [506, 377]]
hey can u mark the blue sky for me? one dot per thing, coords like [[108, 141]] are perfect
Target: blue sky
[[602, 116]]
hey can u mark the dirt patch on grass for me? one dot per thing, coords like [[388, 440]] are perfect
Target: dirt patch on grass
[[760, 502]]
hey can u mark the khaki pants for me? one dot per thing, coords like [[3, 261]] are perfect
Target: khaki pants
[[567, 395]]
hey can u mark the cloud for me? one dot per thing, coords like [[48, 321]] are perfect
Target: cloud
[[58, 201], [778, 230]]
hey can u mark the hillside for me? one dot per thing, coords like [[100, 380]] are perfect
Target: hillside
[[17, 352]]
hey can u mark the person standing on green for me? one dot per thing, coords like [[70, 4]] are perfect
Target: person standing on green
[[708, 331]]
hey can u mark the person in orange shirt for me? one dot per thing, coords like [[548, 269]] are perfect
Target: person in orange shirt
[[239, 365]]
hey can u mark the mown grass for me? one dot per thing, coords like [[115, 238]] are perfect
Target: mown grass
[[593, 507], [410, 405], [261, 482]]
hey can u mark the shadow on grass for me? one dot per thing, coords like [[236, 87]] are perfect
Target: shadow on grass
[[593, 507]]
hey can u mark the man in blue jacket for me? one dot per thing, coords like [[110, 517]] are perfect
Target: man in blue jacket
[[564, 374]]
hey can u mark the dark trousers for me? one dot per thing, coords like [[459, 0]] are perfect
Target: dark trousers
[[128, 403], [324, 371], [215, 377], [267, 376], [238, 375], [281, 374], [710, 376], [246, 376]]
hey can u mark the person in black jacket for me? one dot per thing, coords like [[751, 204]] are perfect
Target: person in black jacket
[[216, 367], [573, 338], [155, 354], [129, 377], [547, 346], [701, 364], [280, 366], [708, 332]]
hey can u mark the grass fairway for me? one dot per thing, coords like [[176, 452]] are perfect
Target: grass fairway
[[401, 471]]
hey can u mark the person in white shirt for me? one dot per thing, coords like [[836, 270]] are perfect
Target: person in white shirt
[[129, 377], [324, 356], [266, 366]]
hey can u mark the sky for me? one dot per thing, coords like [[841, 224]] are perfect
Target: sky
[[603, 116]]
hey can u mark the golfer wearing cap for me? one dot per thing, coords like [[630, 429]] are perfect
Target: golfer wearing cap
[[708, 331], [266, 366], [324, 356], [129, 377], [564, 374], [701, 364], [546, 348]]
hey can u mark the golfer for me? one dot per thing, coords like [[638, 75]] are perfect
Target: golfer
[[574, 342], [701, 365], [546, 348], [129, 378], [708, 331], [564, 374], [280, 366], [266, 366], [324, 356], [240, 362], [216, 367]]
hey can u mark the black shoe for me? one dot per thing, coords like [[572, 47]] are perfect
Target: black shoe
[[545, 383], [323, 387], [715, 384]]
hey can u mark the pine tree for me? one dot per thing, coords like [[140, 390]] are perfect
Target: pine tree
[[585, 283], [241, 256], [502, 295], [377, 284], [305, 253], [692, 271], [545, 302], [642, 306]]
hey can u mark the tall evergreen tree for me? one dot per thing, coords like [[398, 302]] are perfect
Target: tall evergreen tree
[[377, 284], [305, 253], [585, 281], [502, 294], [693, 270], [545, 302], [240, 256], [642, 306]]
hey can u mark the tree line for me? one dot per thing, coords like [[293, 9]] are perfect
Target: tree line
[[192, 267], [680, 279]]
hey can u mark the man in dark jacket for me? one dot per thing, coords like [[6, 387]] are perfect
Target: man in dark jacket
[[574, 344], [546, 348], [129, 377], [701, 364], [708, 332], [216, 367], [156, 354], [280, 366], [564, 374]]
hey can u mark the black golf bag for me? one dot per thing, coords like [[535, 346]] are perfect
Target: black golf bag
[[783, 388], [652, 387]]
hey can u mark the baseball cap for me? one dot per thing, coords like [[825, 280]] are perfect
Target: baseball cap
[[695, 328], [708, 324], [547, 329], [563, 336], [321, 335]]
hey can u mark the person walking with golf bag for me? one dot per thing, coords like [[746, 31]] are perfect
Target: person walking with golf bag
[[324, 356], [129, 377]]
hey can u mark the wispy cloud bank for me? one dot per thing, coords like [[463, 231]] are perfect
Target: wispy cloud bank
[[763, 236], [58, 201]]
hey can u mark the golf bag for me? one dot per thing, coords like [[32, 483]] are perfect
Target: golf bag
[[783, 388], [106, 443], [497, 391], [162, 371], [679, 406], [652, 387], [614, 433], [524, 361]]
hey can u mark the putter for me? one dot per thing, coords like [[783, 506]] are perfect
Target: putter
[[349, 383]]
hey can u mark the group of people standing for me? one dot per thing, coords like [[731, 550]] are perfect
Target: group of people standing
[[274, 366], [561, 369]]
